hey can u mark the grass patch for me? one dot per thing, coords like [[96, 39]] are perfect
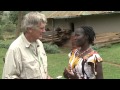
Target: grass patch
[[57, 62], [110, 54], [2, 54], [111, 71]]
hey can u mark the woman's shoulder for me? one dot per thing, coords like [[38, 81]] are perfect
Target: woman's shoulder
[[93, 56], [97, 55], [72, 52]]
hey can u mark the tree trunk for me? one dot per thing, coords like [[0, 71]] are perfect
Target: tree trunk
[[20, 15]]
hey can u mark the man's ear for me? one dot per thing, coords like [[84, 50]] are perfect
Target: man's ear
[[29, 29]]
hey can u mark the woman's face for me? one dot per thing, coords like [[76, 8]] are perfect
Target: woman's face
[[80, 38]]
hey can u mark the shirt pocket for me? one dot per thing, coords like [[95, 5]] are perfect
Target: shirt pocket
[[31, 69]]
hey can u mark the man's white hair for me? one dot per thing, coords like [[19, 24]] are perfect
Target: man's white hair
[[32, 19]]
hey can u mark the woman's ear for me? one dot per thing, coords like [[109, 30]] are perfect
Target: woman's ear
[[86, 37]]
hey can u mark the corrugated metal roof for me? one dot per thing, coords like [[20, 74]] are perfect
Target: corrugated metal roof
[[70, 14]]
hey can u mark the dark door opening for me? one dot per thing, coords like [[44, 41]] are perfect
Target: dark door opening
[[72, 26]]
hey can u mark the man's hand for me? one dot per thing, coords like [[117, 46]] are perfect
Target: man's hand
[[48, 77]]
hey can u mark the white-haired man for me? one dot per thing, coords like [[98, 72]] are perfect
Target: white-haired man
[[26, 57]]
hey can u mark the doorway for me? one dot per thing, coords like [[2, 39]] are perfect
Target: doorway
[[72, 26]]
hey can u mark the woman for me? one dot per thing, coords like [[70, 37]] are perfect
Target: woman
[[84, 62]]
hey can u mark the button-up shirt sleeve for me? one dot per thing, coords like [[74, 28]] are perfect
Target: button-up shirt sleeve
[[12, 65]]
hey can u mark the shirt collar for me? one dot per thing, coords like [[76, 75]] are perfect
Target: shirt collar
[[27, 43]]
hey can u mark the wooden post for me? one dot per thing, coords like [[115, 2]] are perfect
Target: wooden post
[[53, 29]]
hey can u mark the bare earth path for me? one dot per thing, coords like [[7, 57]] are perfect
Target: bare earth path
[[118, 65]]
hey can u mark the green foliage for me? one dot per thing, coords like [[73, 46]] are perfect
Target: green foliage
[[14, 16], [96, 47], [111, 54], [6, 24], [111, 71], [1, 37], [1, 13], [51, 48], [2, 55], [9, 27], [57, 62], [9, 20], [2, 45], [108, 45]]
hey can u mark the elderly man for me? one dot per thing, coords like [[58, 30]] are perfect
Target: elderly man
[[26, 57]]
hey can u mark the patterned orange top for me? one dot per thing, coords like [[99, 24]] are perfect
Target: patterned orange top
[[76, 66]]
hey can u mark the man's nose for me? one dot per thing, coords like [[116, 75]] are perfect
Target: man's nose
[[43, 30]]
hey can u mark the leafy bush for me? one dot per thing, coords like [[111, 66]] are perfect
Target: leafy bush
[[3, 45], [108, 45], [6, 24], [96, 47], [51, 48], [9, 27], [1, 37]]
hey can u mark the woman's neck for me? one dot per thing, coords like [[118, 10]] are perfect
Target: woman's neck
[[84, 50], [84, 47]]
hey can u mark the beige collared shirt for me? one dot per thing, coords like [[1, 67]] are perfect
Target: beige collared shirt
[[23, 61]]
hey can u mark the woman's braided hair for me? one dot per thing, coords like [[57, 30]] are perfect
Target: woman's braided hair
[[88, 31]]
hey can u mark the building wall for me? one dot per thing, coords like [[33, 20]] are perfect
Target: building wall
[[62, 23], [104, 23], [100, 23]]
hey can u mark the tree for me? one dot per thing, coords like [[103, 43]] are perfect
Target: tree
[[16, 17], [20, 16]]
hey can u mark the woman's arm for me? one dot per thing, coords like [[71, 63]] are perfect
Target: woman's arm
[[99, 71]]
